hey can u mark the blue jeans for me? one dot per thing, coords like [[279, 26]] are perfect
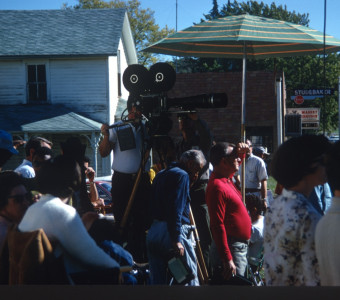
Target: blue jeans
[[159, 244]]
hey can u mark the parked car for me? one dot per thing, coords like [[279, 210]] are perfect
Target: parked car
[[333, 138]]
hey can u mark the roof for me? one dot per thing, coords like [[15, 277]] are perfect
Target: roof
[[64, 32], [55, 118]]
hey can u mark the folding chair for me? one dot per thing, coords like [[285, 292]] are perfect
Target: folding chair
[[253, 270]]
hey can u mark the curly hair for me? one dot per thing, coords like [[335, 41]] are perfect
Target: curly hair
[[254, 201]]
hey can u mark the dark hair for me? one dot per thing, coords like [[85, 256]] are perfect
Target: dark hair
[[333, 166], [87, 159], [59, 177], [5, 155], [74, 149], [296, 158], [218, 151], [35, 143], [254, 201], [8, 181]]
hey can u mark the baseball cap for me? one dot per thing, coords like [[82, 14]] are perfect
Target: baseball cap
[[261, 150], [6, 142]]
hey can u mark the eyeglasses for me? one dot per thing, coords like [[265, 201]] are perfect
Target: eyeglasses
[[21, 198]]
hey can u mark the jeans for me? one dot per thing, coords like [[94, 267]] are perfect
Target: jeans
[[159, 244], [239, 253]]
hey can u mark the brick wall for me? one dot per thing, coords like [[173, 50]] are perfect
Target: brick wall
[[225, 123]]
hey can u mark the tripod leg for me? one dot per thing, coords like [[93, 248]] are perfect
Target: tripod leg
[[200, 259]]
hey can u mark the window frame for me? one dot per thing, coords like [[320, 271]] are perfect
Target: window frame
[[37, 82]]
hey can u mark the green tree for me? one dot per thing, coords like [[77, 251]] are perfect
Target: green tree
[[143, 25], [214, 13], [300, 72]]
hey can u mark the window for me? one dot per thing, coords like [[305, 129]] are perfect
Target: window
[[36, 83]]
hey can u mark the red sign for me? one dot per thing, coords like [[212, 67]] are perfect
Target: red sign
[[298, 99]]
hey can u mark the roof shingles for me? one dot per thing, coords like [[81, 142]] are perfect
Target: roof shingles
[[55, 118], [60, 32]]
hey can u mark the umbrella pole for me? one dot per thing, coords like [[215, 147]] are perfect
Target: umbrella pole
[[243, 117]]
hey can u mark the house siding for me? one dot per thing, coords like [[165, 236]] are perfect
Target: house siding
[[81, 85], [12, 82]]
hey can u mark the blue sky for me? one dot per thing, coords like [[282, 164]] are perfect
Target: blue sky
[[190, 11]]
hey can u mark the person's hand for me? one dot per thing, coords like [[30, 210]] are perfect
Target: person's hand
[[18, 143], [229, 269], [104, 129], [88, 218], [36, 197], [242, 148], [179, 249], [90, 173], [100, 202]]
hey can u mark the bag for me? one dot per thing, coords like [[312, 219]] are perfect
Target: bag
[[179, 270]]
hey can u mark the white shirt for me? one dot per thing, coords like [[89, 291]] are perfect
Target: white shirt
[[255, 172], [62, 224], [127, 161], [256, 239], [327, 244], [26, 169]]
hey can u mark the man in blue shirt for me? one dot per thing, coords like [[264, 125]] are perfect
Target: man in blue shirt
[[170, 209]]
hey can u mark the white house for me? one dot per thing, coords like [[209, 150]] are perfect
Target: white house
[[61, 74]]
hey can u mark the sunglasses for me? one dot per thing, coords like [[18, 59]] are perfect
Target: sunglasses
[[21, 198]]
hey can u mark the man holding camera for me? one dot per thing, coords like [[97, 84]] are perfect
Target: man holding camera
[[196, 135], [128, 141]]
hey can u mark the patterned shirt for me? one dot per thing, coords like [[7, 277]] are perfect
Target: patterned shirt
[[289, 248]]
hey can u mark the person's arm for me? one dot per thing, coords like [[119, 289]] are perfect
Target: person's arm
[[105, 145], [217, 208], [175, 211], [264, 189], [263, 177], [74, 238], [90, 174]]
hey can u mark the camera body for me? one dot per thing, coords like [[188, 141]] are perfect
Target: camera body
[[148, 94]]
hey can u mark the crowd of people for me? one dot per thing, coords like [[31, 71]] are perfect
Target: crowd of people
[[157, 214]]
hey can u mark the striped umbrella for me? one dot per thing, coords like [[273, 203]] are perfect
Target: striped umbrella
[[245, 36], [233, 36]]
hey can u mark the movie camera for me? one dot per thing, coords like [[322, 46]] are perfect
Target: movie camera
[[148, 93]]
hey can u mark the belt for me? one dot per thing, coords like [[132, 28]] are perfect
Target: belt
[[232, 239], [253, 190]]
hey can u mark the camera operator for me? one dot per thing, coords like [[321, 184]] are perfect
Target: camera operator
[[196, 135], [128, 141]]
